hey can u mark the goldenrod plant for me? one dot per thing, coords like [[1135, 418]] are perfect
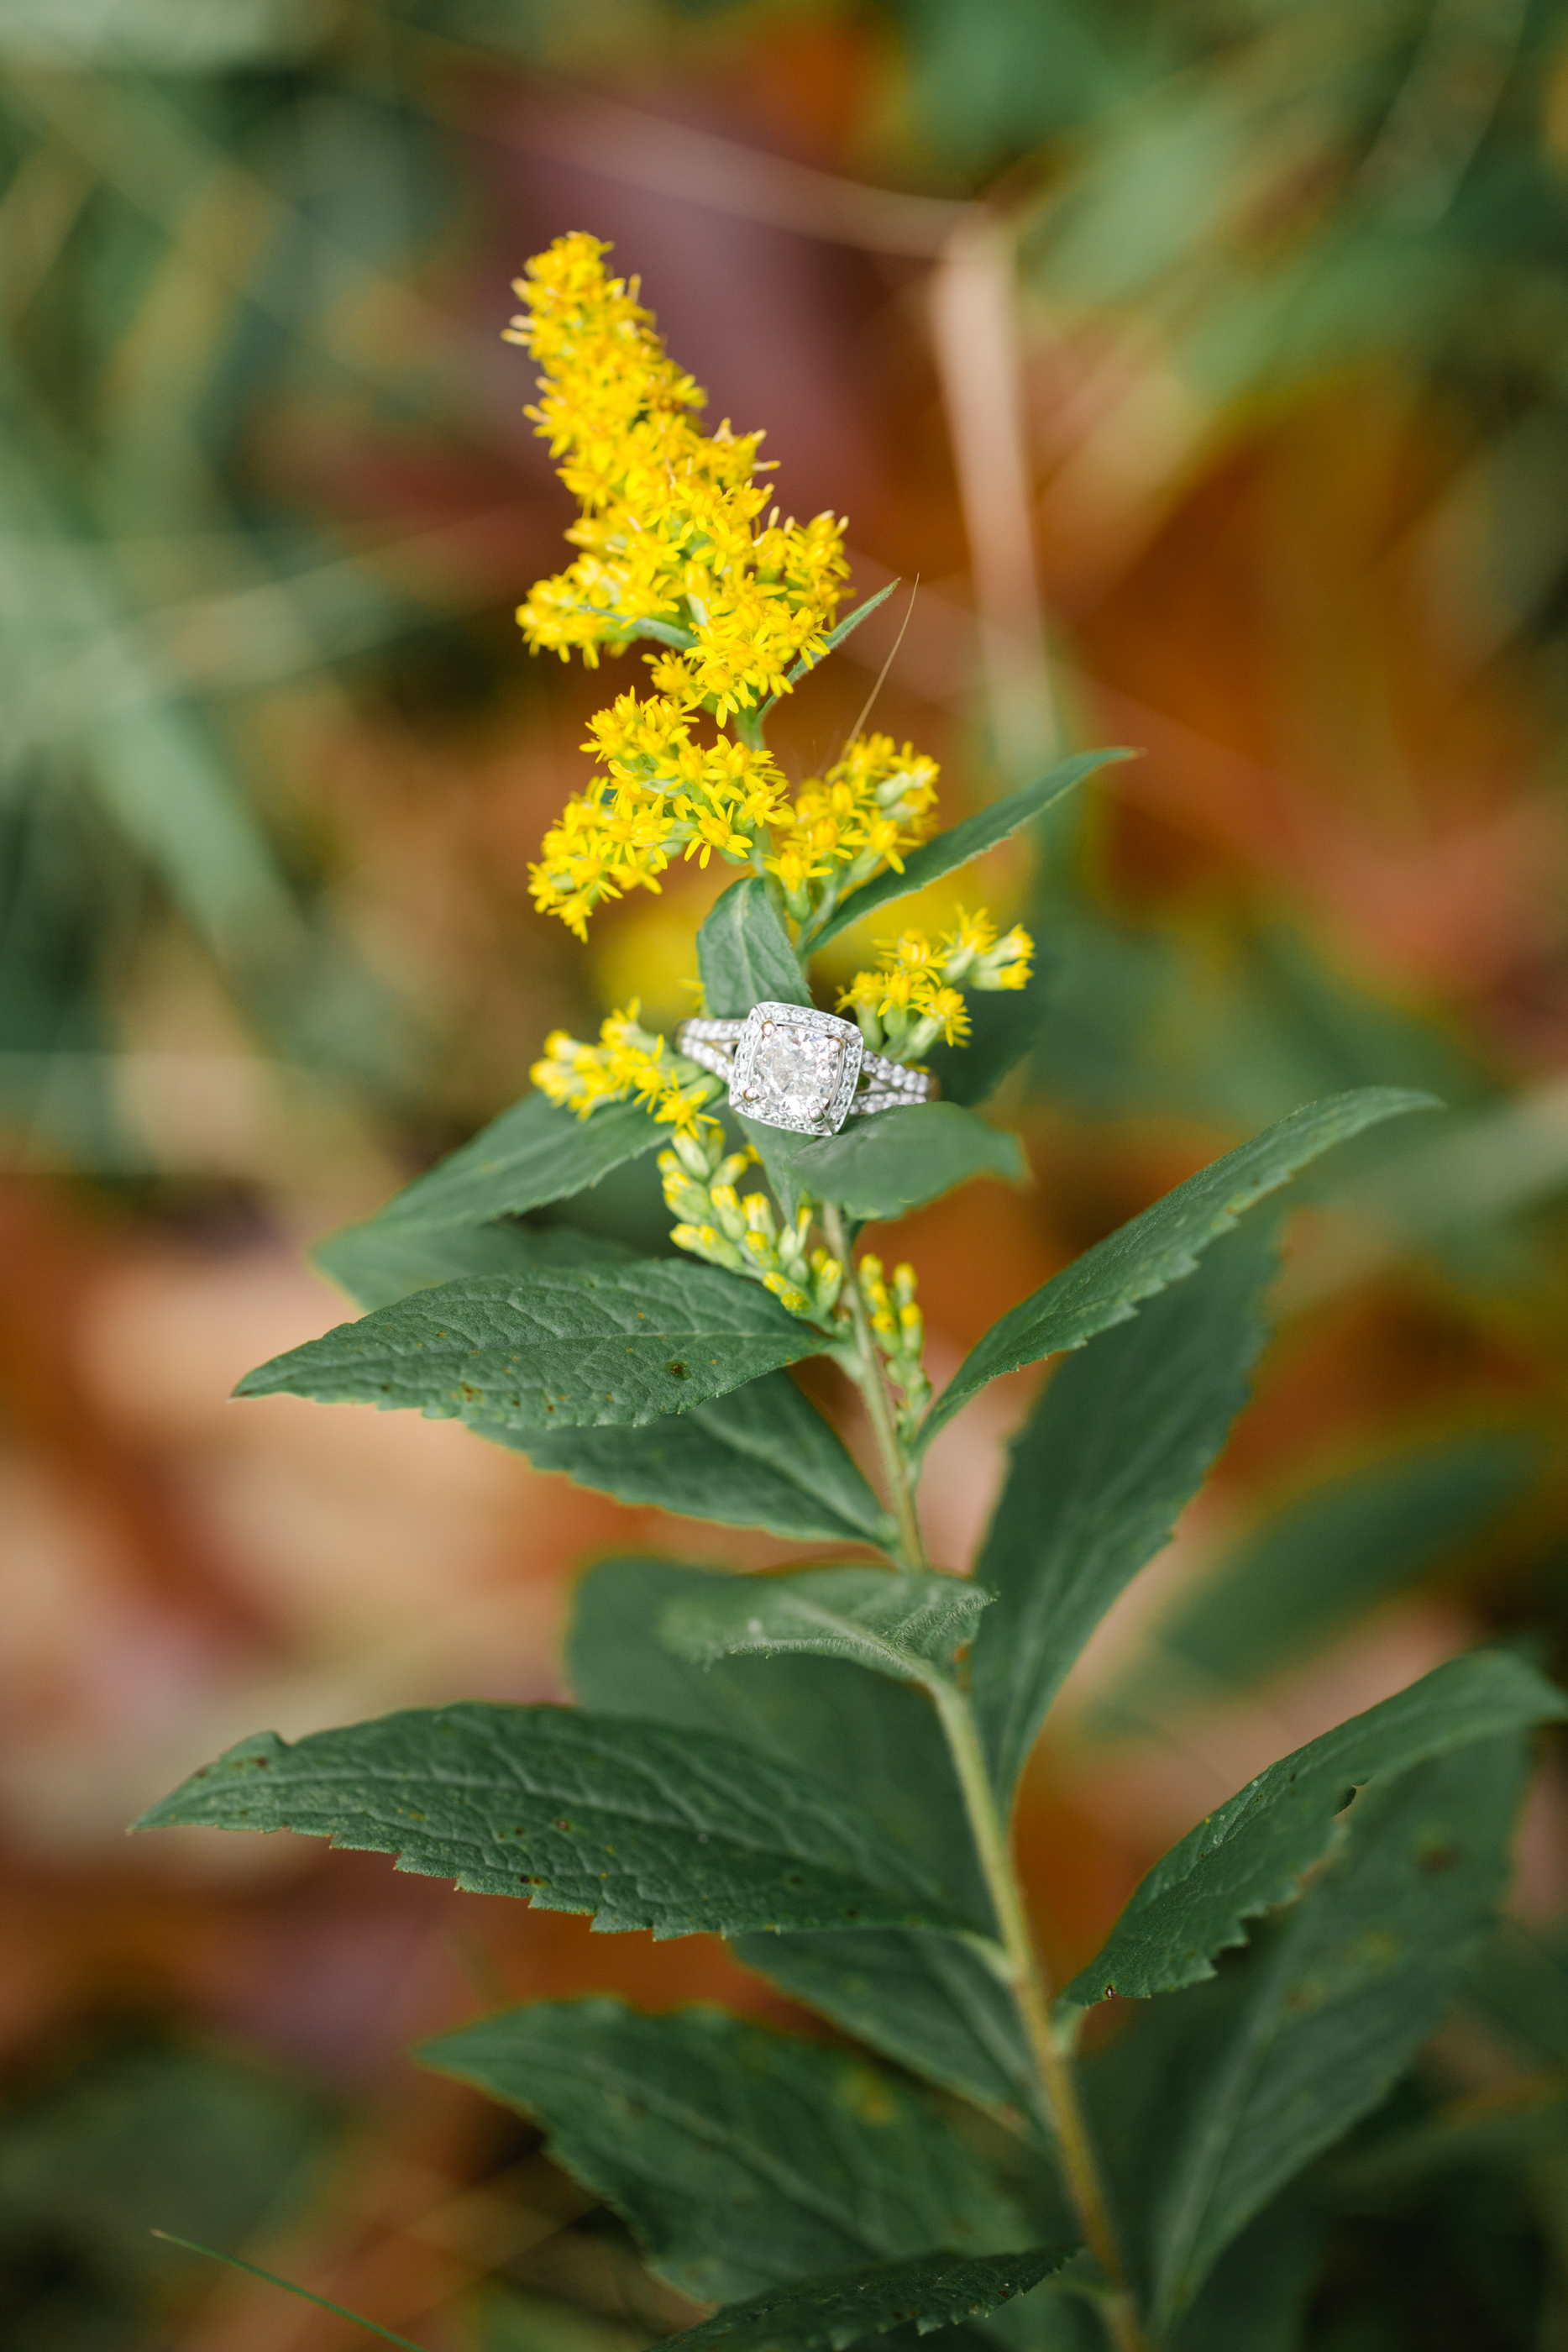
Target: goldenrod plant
[[821, 1762]]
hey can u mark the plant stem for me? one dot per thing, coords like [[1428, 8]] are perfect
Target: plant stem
[[1053, 2065], [878, 1396]]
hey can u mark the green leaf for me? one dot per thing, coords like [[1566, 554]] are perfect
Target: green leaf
[[1359, 1974], [932, 2291], [761, 1457], [892, 1161], [1252, 1854], [929, 2002], [621, 1340], [382, 1260], [534, 1153], [634, 1823], [1310, 1569], [1109, 1281], [745, 956], [1257, 2294], [947, 851], [1518, 1987], [1117, 1446], [875, 1742], [905, 1625], [834, 639], [742, 2159]]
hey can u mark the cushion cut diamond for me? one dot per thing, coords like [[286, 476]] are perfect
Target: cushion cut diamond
[[796, 1067], [796, 1070]]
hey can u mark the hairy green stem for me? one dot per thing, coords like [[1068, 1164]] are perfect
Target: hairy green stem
[[1026, 1981], [872, 1383]]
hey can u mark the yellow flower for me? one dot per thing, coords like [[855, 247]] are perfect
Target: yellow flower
[[669, 525], [874, 803], [909, 1000], [628, 1061]]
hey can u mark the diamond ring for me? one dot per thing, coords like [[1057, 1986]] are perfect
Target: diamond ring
[[790, 1066]]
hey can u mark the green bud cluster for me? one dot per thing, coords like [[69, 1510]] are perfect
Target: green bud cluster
[[744, 1234]]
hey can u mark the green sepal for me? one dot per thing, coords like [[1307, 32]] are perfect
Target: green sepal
[[905, 1625], [636, 1824], [1109, 1283]]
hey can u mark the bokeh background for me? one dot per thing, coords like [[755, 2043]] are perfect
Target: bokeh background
[[1205, 365]]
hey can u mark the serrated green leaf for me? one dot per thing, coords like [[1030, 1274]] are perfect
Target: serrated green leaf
[[1117, 1445], [892, 1161], [902, 1624], [745, 956], [1360, 1972], [742, 2159], [947, 851], [380, 1260], [1312, 1568], [534, 1153], [1109, 1283], [560, 1345], [929, 2002], [761, 1457], [1253, 1853], [639, 1825], [876, 1742], [930, 2292], [1257, 2292]]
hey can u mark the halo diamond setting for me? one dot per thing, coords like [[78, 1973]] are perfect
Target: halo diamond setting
[[796, 1068]]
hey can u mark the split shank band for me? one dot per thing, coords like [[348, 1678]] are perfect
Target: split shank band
[[790, 1066]]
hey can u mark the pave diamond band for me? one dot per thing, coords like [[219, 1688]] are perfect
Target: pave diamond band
[[790, 1066]]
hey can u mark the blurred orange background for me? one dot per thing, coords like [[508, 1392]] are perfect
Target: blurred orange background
[[1201, 378]]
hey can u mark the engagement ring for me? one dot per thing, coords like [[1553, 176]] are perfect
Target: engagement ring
[[788, 1066]]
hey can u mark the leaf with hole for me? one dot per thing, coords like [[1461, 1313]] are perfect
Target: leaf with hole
[[685, 1832]]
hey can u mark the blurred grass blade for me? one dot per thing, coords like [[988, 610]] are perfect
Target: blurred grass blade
[[289, 2287]]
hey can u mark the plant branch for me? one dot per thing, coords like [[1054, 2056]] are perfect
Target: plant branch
[[1053, 2065], [872, 1383]]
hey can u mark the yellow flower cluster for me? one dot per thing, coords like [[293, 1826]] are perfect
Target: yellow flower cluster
[[656, 793], [672, 547], [744, 1234], [874, 803], [628, 1061], [911, 998], [900, 1330]]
